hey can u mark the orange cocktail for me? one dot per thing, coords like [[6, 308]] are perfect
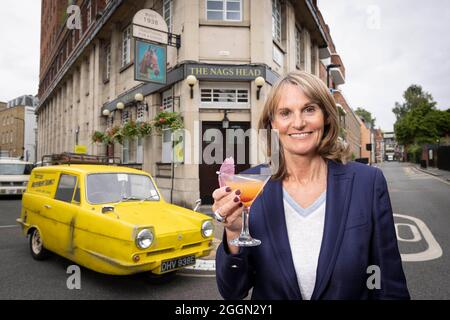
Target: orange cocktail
[[250, 186], [249, 189]]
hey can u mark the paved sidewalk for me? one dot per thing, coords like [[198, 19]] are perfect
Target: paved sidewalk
[[441, 174]]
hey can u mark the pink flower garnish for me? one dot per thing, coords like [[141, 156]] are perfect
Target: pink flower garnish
[[226, 167]]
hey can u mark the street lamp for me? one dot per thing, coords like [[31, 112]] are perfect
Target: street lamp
[[330, 66]]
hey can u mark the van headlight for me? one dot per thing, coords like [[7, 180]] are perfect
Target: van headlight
[[207, 228], [144, 239]]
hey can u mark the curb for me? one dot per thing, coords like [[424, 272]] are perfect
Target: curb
[[426, 171], [432, 174]]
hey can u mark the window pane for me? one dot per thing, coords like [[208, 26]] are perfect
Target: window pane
[[233, 16], [215, 5], [235, 6], [215, 15], [66, 187]]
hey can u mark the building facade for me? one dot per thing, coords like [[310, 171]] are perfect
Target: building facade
[[18, 128], [379, 146], [390, 146], [87, 81]]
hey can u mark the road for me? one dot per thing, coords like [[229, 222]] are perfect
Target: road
[[424, 242], [420, 202]]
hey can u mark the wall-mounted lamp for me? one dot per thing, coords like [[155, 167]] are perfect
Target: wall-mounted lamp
[[191, 81], [106, 112], [139, 97], [225, 121], [260, 81], [120, 106]]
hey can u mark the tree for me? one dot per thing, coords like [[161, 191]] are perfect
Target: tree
[[418, 120], [366, 115], [414, 97]]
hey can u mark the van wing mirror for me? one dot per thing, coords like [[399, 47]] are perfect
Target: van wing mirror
[[198, 203]]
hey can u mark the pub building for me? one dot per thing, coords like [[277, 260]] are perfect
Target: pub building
[[222, 59]]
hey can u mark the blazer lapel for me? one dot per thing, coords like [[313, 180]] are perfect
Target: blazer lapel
[[339, 187], [273, 208]]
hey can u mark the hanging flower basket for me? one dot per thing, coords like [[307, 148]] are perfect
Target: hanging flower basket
[[168, 120], [144, 129], [97, 137]]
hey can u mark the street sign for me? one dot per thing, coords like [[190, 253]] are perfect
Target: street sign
[[80, 149]]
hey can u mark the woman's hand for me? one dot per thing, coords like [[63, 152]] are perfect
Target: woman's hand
[[230, 208]]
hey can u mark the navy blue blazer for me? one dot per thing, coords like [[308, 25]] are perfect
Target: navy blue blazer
[[359, 232]]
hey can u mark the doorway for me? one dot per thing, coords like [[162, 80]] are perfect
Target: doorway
[[228, 146]]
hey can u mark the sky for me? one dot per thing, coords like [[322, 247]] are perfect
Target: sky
[[386, 45], [20, 48]]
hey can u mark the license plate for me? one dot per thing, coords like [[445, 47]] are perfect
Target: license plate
[[11, 191], [176, 263]]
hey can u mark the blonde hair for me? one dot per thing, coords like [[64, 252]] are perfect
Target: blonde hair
[[315, 89]]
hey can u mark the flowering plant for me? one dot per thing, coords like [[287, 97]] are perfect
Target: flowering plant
[[167, 120]]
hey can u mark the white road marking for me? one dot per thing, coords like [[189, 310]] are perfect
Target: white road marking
[[434, 250], [196, 275], [416, 234], [203, 265], [12, 226]]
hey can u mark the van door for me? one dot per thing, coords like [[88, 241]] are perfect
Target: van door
[[64, 209]]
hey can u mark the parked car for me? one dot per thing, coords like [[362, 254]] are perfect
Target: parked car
[[14, 176], [110, 219]]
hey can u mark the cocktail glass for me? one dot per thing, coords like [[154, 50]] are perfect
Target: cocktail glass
[[250, 186]]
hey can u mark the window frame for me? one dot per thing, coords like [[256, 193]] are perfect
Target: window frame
[[123, 61], [276, 27], [169, 18], [74, 188], [224, 11], [238, 86]]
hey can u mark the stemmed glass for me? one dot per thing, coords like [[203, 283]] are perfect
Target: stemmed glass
[[250, 186]]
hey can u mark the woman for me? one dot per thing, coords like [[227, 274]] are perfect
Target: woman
[[326, 226]]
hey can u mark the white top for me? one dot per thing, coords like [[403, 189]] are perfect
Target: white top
[[305, 232]]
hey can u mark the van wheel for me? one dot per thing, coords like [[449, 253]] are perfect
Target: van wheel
[[38, 252]]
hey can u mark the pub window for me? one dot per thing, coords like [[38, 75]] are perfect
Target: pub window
[[167, 13], [126, 46], [225, 95], [125, 151], [227, 10], [298, 48], [276, 20], [167, 101], [140, 112], [108, 61], [66, 188], [126, 116]]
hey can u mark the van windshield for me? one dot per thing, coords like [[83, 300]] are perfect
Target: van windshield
[[14, 168], [117, 187]]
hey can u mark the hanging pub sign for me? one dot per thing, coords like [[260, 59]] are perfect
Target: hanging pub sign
[[151, 62], [151, 38], [149, 25]]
